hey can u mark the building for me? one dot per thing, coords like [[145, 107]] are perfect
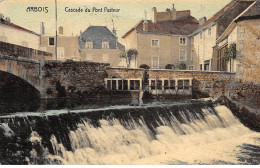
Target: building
[[17, 35], [99, 44], [244, 33], [204, 39], [163, 41], [67, 46]]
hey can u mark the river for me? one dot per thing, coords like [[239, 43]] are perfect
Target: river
[[125, 132]]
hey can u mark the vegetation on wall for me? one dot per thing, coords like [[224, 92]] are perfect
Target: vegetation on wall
[[181, 66]]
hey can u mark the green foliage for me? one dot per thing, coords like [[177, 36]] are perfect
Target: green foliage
[[123, 55], [131, 52], [230, 52], [181, 66]]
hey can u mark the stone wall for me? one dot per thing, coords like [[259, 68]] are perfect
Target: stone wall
[[204, 84], [72, 79], [125, 73]]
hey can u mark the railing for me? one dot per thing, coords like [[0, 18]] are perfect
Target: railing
[[7, 49]]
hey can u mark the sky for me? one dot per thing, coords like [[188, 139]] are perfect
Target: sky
[[131, 12]]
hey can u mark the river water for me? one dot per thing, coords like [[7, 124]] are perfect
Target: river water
[[135, 132]]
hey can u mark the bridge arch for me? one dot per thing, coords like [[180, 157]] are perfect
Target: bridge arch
[[14, 87]]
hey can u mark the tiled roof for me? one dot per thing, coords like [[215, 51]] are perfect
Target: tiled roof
[[253, 12], [97, 34], [184, 26], [223, 11], [10, 24]]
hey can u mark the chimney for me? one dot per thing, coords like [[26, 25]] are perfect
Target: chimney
[[114, 31], [202, 20], [1, 16], [145, 25], [42, 29], [8, 19], [173, 13], [61, 30], [154, 16], [173, 7]]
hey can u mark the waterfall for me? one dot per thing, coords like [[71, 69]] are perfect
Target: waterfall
[[152, 134]]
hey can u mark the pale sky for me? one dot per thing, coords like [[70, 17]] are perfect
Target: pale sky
[[131, 12]]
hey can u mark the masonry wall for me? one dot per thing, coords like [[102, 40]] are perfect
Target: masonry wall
[[72, 79], [204, 84]]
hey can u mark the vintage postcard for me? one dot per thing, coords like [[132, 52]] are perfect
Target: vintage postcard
[[129, 82]]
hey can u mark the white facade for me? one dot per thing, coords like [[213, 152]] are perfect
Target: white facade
[[204, 41], [19, 37]]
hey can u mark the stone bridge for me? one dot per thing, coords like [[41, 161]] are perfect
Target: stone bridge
[[54, 79]]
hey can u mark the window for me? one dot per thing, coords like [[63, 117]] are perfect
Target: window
[[3, 38], [183, 40], [172, 84], [155, 43], [105, 45], [166, 84], [89, 45], [182, 55], [155, 62], [24, 43], [192, 55], [200, 35], [152, 84], [89, 57], [180, 84], [51, 41], [159, 84], [191, 67], [105, 57], [209, 31], [60, 53]]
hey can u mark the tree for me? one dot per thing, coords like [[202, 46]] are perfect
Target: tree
[[230, 53], [130, 54]]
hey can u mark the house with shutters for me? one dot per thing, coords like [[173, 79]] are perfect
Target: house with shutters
[[99, 44], [67, 46], [17, 35], [204, 39], [164, 41], [243, 33]]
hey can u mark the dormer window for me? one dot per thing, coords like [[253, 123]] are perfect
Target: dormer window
[[89, 45], [105, 45]]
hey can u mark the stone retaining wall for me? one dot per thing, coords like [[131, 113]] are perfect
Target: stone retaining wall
[[72, 79]]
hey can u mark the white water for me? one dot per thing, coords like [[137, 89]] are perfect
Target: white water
[[203, 142]]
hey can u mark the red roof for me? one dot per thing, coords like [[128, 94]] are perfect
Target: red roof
[[184, 26], [5, 22]]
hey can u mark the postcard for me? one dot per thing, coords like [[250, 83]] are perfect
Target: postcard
[[129, 82]]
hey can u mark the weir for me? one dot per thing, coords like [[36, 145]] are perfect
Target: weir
[[154, 133]]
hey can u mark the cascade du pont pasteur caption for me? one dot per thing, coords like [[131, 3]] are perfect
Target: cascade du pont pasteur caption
[[78, 9], [93, 9]]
